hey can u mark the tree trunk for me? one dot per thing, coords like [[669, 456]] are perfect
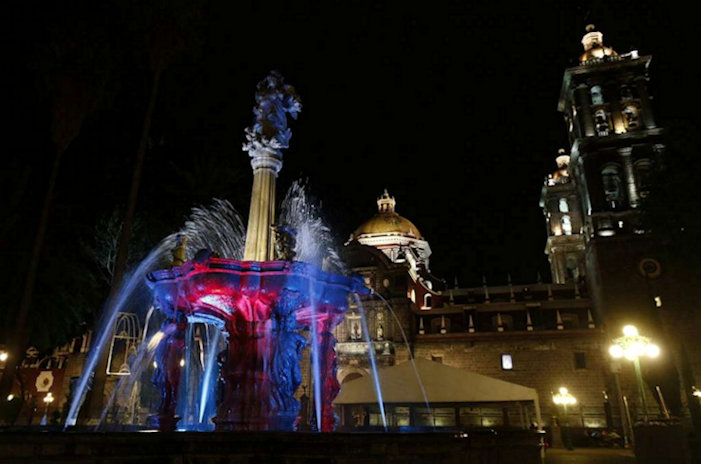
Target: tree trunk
[[95, 402], [20, 337]]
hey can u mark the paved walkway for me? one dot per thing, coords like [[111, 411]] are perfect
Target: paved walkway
[[589, 456]]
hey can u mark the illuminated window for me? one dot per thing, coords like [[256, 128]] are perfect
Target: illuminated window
[[613, 186], [563, 206], [630, 114], [597, 98], [601, 120], [507, 363], [566, 225]]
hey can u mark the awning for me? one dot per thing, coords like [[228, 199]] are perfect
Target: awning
[[442, 384]]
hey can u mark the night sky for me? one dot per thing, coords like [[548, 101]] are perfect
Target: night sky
[[449, 105]]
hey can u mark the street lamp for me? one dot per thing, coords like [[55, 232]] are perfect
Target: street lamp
[[632, 346], [564, 398]]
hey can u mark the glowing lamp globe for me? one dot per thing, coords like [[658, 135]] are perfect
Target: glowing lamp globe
[[616, 351], [630, 331]]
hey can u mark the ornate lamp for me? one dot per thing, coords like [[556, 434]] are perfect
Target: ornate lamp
[[632, 346]]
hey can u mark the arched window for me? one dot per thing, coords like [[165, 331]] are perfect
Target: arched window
[[630, 113], [626, 92], [597, 98], [563, 206], [601, 120], [643, 176], [613, 186], [427, 300], [566, 224]]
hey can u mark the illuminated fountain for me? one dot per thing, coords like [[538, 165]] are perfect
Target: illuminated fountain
[[261, 304]]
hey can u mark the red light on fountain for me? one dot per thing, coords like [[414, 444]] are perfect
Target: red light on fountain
[[261, 305]]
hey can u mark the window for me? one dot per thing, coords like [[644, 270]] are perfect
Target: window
[[580, 360], [427, 301], [597, 98], [601, 120], [566, 225], [563, 206], [613, 186], [630, 114], [643, 176], [437, 358], [626, 92], [507, 363]]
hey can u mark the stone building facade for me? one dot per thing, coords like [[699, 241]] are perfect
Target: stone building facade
[[607, 271]]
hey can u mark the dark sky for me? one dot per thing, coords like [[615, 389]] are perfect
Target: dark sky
[[449, 105]]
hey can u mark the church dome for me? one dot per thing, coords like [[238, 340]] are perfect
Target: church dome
[[387, 221]]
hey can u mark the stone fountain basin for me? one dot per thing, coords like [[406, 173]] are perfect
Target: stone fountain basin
[[219, 289]]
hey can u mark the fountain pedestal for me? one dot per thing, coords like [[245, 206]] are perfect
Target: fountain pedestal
[[262, 307]]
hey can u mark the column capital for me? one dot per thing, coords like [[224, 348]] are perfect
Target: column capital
[[263, 158]]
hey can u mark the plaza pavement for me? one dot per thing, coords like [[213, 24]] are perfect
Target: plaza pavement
[[589, 456]]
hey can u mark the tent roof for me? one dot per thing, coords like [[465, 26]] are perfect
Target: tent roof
[[443, 384]]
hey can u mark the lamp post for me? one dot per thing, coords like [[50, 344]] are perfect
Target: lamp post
[[564, 398], [632, 346]]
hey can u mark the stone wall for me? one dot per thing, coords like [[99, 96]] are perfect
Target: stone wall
[[538, 362]]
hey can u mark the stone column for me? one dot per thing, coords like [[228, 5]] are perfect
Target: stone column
[[619, 126], [629, 173], [266, 164], [647, 116], [582, 97]]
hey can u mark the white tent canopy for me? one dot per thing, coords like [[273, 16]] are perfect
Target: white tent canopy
[[443, 384]]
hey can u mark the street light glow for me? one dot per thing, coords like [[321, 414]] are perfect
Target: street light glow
[[49, 398], [616, 351], [633, 346], [630, 331], [3, 356], [564, 397], [652, 351]]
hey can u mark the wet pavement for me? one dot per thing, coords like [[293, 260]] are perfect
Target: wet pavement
[[589, 456]]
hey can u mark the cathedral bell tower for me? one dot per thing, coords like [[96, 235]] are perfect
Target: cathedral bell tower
[[563, 219], [615, 146]]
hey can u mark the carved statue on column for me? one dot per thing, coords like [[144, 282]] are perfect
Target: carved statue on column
[[274, 100]]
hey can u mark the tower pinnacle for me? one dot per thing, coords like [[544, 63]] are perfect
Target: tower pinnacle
[[386, 203]]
